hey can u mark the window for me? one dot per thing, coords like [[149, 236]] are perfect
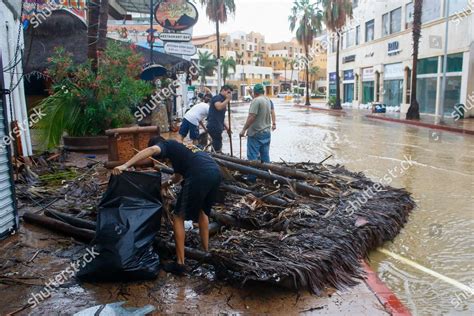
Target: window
[[454, 63], [430, 12], [255, 41], [350, 38], [355, 3], [392, 22], [243, 46], [428, 66], [458, 6], [357, 35], [369, 30]]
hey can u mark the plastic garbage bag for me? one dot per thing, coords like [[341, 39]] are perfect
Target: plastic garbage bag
[[116, 309], [128, 220]]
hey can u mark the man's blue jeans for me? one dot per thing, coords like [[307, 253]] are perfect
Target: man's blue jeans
[[258, 147]]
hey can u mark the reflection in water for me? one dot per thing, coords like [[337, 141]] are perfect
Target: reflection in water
[[439, 233]]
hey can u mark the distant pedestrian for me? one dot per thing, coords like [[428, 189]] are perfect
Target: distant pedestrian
[[216, 118], [193, 119], [260, 123]]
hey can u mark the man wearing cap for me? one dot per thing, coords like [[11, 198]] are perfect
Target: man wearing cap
[[260, 123], [193, 118]]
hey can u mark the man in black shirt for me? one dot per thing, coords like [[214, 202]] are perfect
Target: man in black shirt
[[216, 118], [200, 186]]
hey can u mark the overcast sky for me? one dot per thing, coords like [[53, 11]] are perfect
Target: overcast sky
[[269, 17]]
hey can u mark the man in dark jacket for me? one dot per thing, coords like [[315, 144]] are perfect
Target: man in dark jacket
[[216, 118]]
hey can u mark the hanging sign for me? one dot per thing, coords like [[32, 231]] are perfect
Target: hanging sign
[[176, 15], [175, 37], [180, 49]]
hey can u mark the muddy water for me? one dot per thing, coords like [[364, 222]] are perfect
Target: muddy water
[[440, 175]]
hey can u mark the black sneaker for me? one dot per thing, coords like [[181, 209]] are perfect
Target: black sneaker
[[175, 268]]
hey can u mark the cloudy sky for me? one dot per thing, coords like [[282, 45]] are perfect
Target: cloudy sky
[[269, 17]]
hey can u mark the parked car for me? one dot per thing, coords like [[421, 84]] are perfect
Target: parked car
[[282, 95], [247, 98]]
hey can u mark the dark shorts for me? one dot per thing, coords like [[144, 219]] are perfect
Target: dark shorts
[[187, 127], [198, 193]]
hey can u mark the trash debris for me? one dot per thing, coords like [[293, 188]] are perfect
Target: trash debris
[[128, 221], [116, 309]]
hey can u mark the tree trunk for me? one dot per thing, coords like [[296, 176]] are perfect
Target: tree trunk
[[103, 19], [308, 103], [286, 78], [414, 110], [92, 32], [338, 106]]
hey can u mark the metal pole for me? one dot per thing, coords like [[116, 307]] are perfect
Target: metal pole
[[151, 32], [445, 62]]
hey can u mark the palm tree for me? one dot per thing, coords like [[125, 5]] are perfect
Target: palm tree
[[336, 13], [227, 64], [286, 60], [313, 72], [93, 13], [292, 63], [414, 109], [217, 11], [307, 20], [207, 66]]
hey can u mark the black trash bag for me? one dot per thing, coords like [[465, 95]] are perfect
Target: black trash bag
[[128, 220]]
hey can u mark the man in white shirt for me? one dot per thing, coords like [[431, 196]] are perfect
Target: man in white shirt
[[193, 118]]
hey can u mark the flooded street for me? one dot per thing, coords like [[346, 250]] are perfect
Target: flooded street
[[439, 172]]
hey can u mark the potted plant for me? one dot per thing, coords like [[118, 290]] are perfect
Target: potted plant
[[83, 104]]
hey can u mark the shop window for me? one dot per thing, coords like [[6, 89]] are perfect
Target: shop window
[[428, 66], [367, 92], [369, 30], [393, 92], [454, 62], [453, 93], [458, 6], [426, 94]]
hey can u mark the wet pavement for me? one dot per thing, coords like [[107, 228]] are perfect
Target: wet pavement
[[440, 174], [34, 256]]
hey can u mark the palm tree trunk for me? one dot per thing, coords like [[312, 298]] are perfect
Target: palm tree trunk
[[307, 75], [92, 32], [338, 106], [285, 78], [414, 110], [103, 19]]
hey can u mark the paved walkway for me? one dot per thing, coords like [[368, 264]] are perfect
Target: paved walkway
[[464, 126]]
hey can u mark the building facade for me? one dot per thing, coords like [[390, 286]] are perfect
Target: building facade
[[376, 55], [267, 63]]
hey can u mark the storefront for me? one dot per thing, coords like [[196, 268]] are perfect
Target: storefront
[[348, 86], [430, 72], [393, 84], [332, 84], [368, 85]]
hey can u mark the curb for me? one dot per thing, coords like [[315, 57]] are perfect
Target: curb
[[421, 124], [386, 297], [338, 112]]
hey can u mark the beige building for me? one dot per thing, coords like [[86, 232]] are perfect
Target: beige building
[[376, 56]]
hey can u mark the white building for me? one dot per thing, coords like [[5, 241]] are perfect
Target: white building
[[376, 55], [12, 109]]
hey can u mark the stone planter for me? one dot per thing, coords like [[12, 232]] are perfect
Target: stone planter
[[86, 144]]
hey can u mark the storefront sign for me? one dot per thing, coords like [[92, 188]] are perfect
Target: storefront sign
[[175, 37], [332, 77], [348, 59], [368, 74], [394, 48], [348, 75], [393, 71], [176, 15], [368, 55], [180, 49]]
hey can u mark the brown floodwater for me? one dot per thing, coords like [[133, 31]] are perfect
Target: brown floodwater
[[439, 172]]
